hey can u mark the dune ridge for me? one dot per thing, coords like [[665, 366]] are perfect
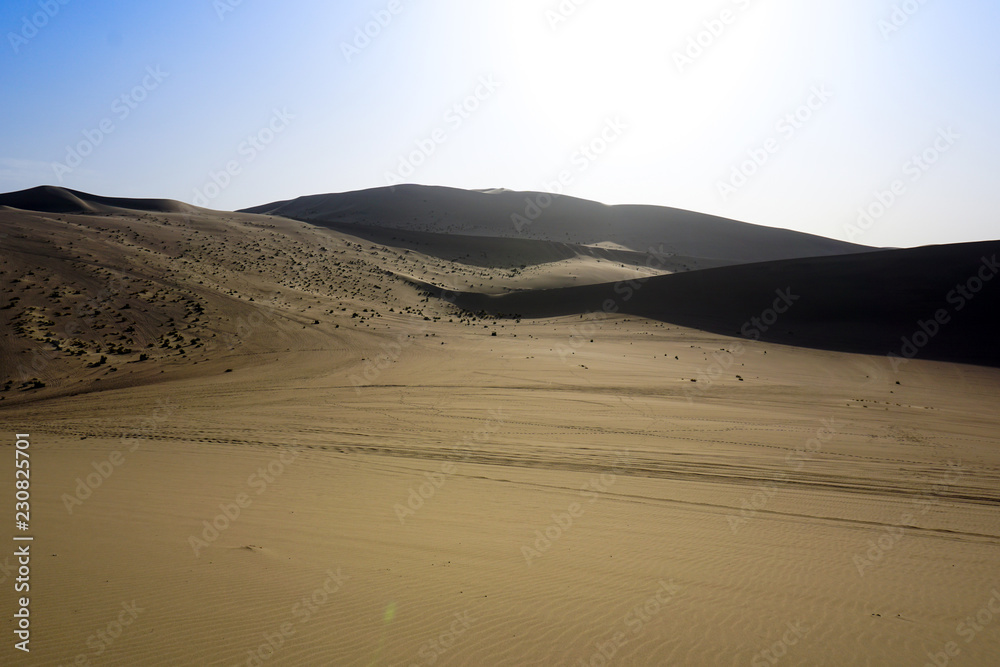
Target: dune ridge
[[560, 218], [53, 199]]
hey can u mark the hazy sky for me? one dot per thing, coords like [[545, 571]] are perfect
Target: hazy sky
[[779, 112]]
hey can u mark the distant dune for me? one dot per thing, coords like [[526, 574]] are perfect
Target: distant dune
[[543, 217], [52, 199], [539, 262], [866, 303]]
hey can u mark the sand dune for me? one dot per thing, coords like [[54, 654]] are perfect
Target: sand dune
[[938, 296], [52, 199], [564, 219], [319, 463], [503, 252]]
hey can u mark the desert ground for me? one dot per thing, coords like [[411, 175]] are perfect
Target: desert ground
[[318, 433]]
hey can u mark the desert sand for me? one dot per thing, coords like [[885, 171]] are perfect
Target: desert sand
[[295, 452]]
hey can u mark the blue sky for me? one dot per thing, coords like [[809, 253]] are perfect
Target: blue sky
[[789, 114]]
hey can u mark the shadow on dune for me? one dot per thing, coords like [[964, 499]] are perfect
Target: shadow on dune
[[558, 218], [935, 302], [52, 199], [495, 252]]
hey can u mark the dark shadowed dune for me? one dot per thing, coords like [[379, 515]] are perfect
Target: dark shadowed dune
[[539, 216], [866, 303], [52, 199], [500, 252]]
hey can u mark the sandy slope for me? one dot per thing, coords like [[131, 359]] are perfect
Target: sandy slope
[[702, 496], [420, 492]]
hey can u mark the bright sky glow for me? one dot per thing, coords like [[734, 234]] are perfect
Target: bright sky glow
[[672, 97]]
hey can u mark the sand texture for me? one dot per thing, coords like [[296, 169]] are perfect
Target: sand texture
[[264, 438]]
